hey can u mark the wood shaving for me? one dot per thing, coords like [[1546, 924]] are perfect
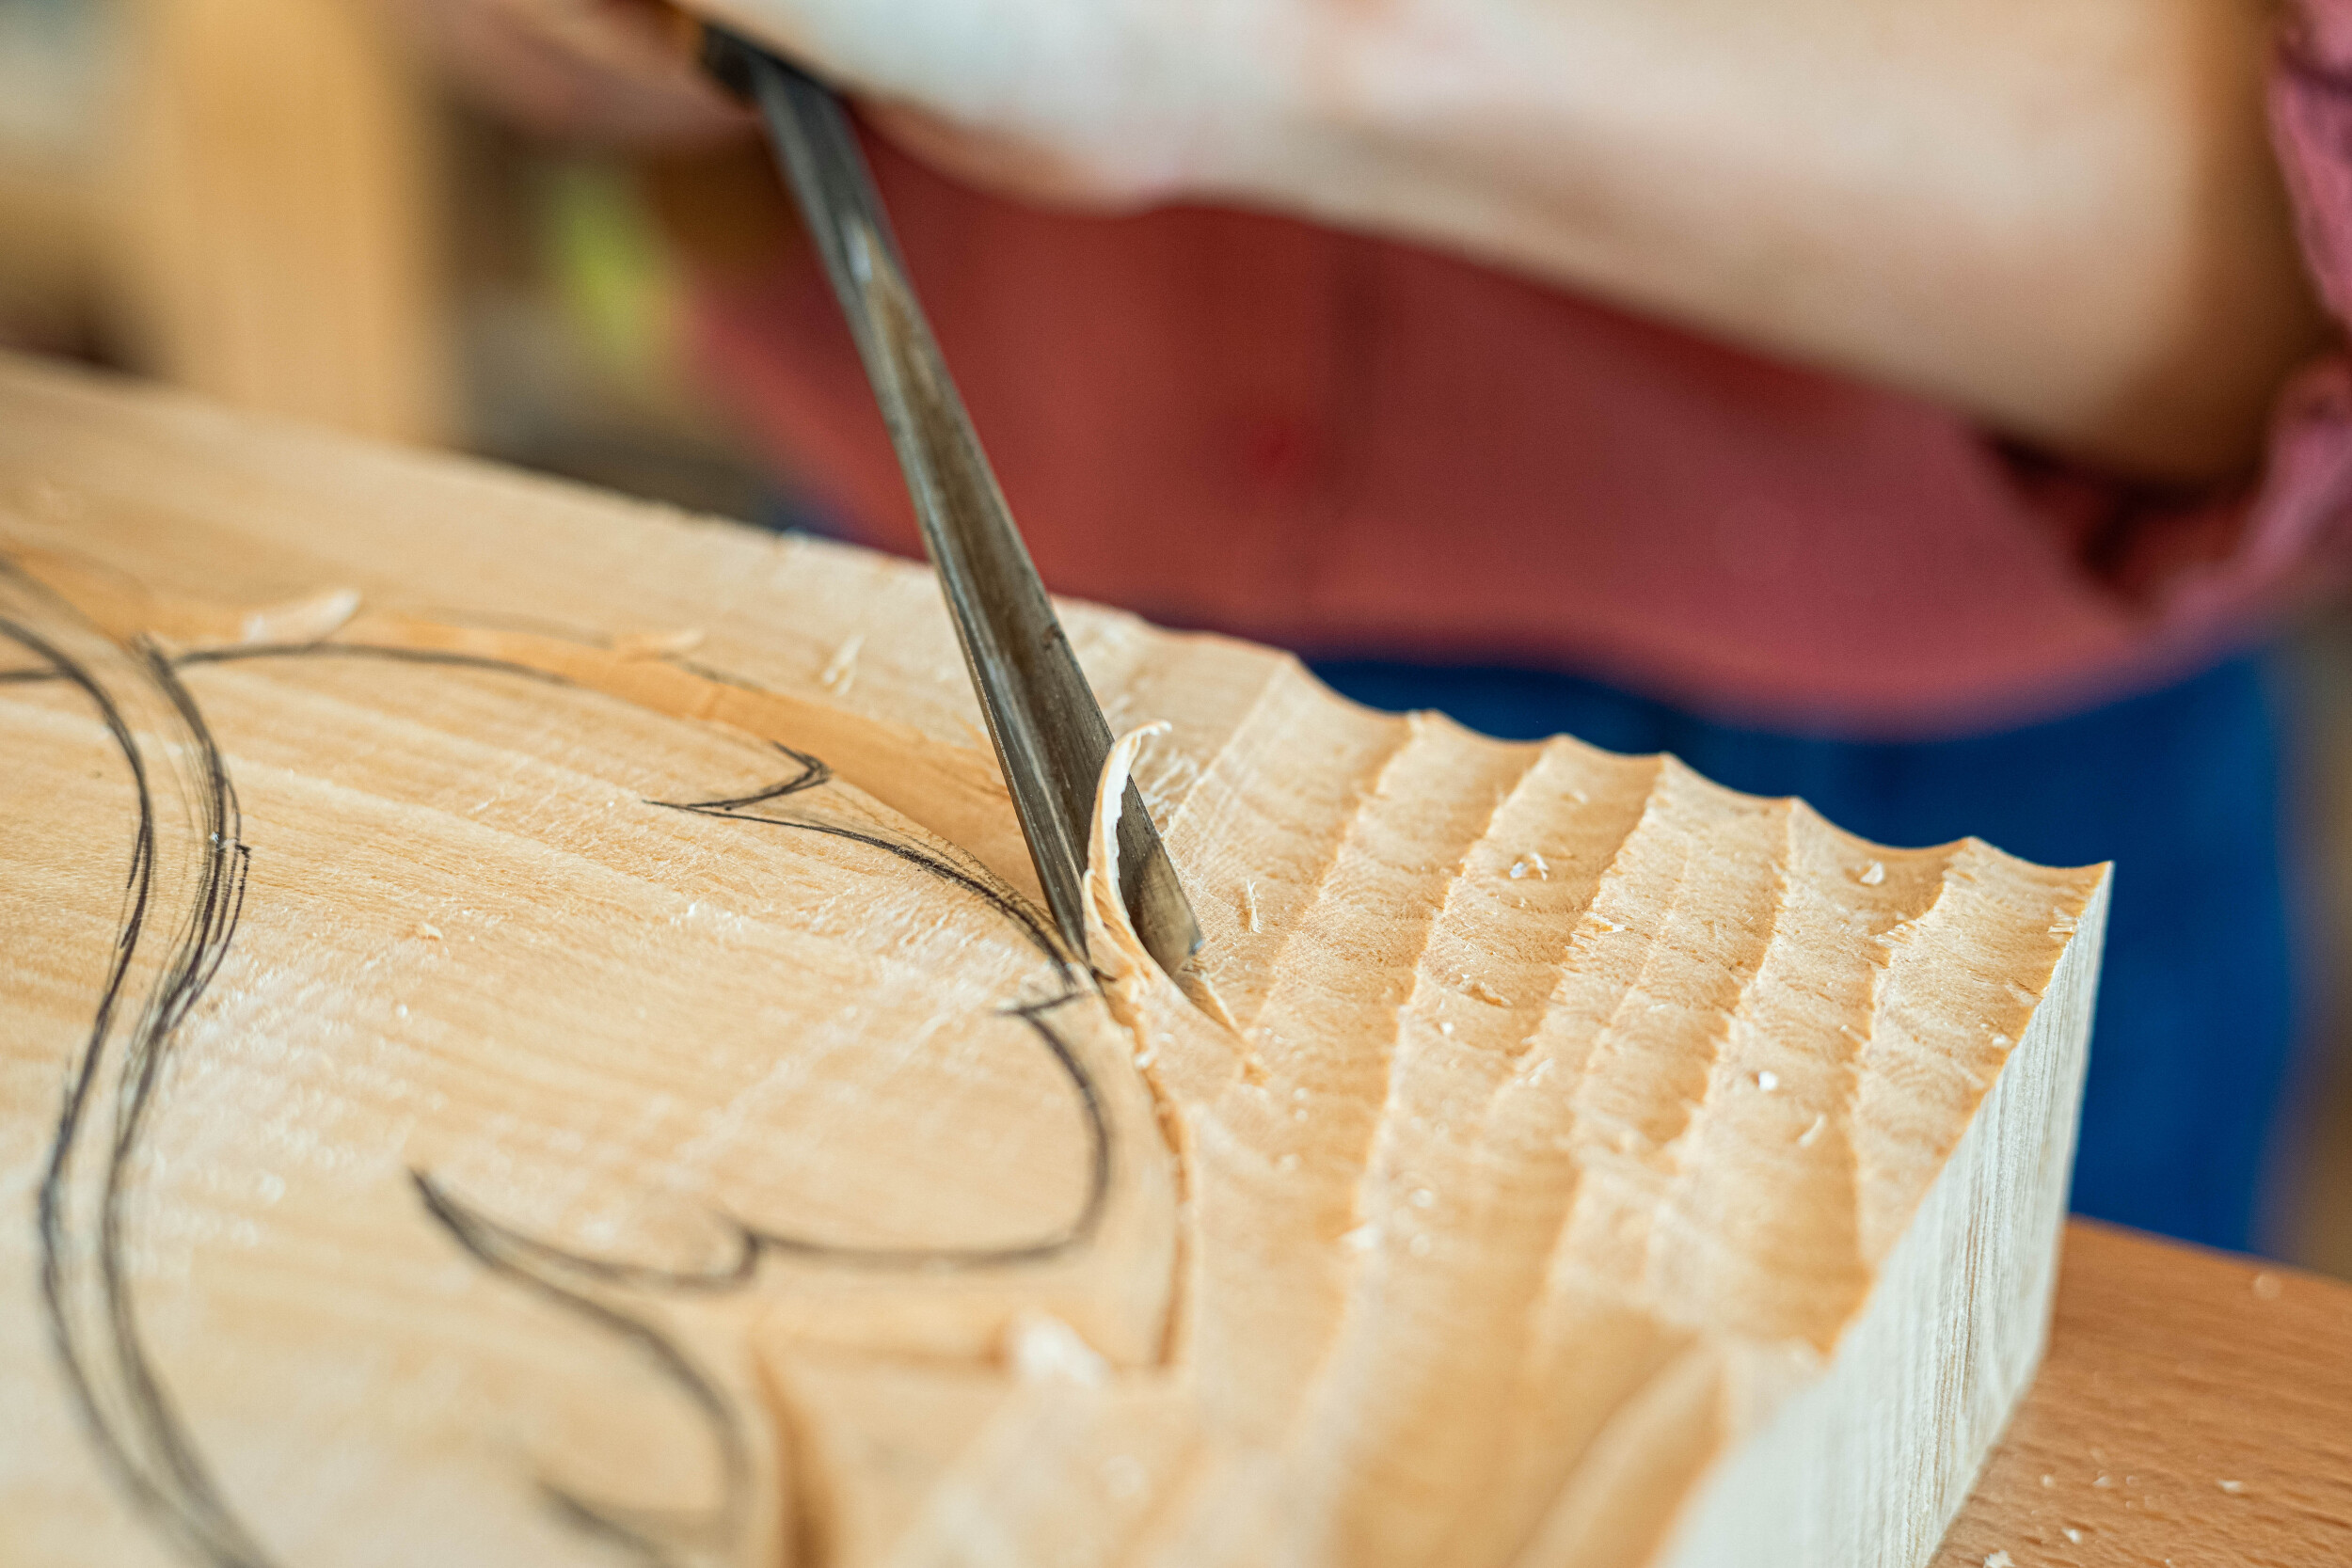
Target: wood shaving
[[298, 621], [1042, 1348], [840, 673]]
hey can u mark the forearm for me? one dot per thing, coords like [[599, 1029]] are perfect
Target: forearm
[[2061, 215]]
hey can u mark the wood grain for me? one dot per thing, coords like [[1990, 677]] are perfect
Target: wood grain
[[2193, 1408], [524, 1035]]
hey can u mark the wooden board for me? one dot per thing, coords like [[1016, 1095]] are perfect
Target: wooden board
[[273, 230], [2194, 1408], [528, 1037]]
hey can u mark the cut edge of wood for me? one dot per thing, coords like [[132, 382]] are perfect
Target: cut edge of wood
[[1946, 1343]]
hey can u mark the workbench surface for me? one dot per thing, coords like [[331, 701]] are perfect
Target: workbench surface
[[2194, 1409]]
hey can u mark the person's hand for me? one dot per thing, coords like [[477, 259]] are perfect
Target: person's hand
[[1097, 102], [609, 71]]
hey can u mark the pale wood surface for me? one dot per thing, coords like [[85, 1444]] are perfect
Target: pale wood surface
[[2193, 1408], [546, 1116], [278, 216], [250, 204]]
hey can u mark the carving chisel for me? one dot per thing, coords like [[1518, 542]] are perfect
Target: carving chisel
[[1049, 735]]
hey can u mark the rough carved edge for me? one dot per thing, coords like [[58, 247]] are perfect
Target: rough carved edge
[[1866, 1465]]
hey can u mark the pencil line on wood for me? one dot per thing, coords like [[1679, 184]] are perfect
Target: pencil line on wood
[[136, 1429], [145, 1443]]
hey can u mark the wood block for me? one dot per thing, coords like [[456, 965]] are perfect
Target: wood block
[[527, 1037]]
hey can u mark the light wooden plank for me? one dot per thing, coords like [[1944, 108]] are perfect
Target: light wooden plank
[[277, 227], [611, 1083]]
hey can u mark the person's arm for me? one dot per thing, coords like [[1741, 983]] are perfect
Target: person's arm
[[2061, 216]]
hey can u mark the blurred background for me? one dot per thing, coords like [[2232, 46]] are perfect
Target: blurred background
[[269, 201]]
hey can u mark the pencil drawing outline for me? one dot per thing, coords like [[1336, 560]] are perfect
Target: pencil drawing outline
[[146, 1443]]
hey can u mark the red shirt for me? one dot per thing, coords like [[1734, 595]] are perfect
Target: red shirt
[[1349, 445]]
